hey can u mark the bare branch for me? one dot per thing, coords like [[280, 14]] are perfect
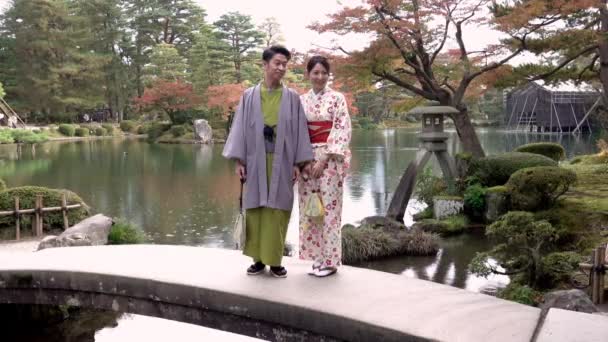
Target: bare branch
[[335, 48], [390, 77]]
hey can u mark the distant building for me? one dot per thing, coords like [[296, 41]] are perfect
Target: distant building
[[538, 107]]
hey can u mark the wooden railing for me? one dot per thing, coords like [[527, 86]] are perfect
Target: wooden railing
[[597, 271], [38, 213]]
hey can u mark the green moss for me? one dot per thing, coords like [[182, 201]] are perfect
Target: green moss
[[456, 224], [592, 159], [498, 189], [50, 198], [427, 213], [551, 150]]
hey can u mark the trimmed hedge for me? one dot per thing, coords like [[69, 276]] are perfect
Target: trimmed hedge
[[100, 131], [50, 198], [547, 149], [156, 129], [82, 132], [496, 170], [127, 125], [67, 130], [537, 188], [25, 136], [109, 128], [125, 233]]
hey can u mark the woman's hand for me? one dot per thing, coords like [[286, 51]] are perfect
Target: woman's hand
[[317, 168]]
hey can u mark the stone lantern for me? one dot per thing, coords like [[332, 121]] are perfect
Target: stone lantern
[[433, 140]]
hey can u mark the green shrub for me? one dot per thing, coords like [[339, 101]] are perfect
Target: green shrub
[[522, 294], [559, 266], [100, 131], [82, 132], [25, 136], [156, 129], [428, 186], [50, 198], [67, 130], [6, 137], [427, 213], [125, 233], [496, 170], [141, 129], [178, 131], [188, 116], [475, 199], [127, 125], [366, 123], [551, 150], [537, 188], [2, 185], [109, 128]]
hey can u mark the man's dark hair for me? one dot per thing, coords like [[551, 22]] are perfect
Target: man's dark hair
[[314, 60], [273, 50]]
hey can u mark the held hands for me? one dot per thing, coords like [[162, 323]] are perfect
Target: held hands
[[296, 173], [317, 168]]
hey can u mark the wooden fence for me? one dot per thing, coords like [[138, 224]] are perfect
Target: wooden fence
[[38, 213], [597, 271]]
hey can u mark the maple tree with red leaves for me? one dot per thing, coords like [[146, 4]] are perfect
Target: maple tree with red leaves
[[226, 97], [170, 97], [410, 46]]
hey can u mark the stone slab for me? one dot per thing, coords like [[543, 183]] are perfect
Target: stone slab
[[346, 306], [570, 326]]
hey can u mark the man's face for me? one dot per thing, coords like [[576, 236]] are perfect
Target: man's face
[[275, 68]]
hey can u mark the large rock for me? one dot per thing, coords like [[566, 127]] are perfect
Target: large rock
[[447, 206], [573, 300], [92, 231], [202, 131]]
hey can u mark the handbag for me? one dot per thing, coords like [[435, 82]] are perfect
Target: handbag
[[314, 208], [239, 233]]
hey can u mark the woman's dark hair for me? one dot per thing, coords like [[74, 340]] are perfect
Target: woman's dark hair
[[314, 60], [273, 50]]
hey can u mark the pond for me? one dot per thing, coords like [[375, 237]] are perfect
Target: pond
[[187, 194]]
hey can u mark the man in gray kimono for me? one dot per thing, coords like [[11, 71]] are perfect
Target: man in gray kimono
[[269, 142]]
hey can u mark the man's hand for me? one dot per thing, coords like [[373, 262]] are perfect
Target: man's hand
[[317, 169], [241, 170], [296, 173]]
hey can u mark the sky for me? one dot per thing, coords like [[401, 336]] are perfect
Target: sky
[[295, 16]]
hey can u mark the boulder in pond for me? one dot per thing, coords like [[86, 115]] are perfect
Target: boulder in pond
[[202, 131]]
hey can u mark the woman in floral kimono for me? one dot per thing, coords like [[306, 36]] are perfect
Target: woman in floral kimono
[[329, 128]]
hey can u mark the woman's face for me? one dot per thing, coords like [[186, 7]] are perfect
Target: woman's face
[[318, 76]]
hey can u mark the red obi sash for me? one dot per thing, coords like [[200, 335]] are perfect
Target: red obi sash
[[319, 131]]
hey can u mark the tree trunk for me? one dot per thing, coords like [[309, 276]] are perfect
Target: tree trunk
[[603, 47], [466, 133]]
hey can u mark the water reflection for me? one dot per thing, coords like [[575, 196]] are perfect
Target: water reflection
[[187, 194]]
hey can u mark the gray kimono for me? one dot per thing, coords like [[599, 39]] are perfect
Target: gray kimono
[[246, 143]]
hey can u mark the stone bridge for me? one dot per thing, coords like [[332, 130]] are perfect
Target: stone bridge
[[209, 287]]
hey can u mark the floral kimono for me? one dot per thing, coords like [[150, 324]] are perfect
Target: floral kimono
[[330, 129]]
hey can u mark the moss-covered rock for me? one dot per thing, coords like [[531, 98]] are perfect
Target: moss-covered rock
[[537, 188], [452, 225], [50, 198], [496, 170], [547, 149]]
